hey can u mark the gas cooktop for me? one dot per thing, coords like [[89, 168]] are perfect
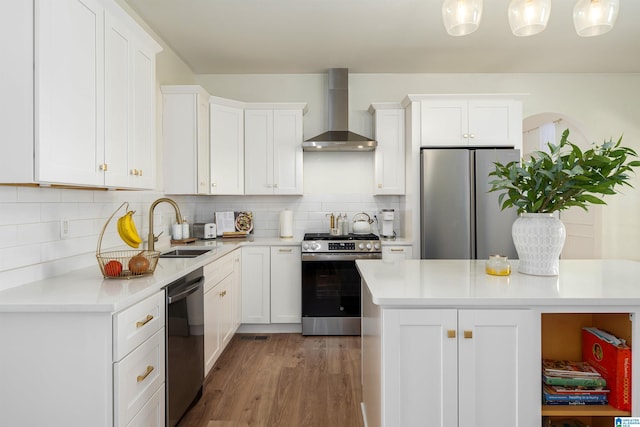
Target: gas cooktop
[[350, 236]]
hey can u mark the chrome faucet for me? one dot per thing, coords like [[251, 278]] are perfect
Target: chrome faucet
[[152, 238]]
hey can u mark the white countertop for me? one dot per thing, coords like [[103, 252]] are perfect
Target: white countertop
[[455, 283], [85, 290]]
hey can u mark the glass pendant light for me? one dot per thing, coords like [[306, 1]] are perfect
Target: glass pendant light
[[461, 17], [595, 17], [528, 17]]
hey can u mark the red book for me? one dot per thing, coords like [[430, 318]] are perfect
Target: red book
[[612, 359]]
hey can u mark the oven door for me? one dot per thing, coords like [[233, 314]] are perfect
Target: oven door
[[331, 284]]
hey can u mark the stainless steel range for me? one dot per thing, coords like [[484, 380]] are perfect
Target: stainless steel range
[[331, 283]]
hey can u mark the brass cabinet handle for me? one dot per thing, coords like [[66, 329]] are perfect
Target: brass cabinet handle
[[397, 250], [146, 320], [451, 333], [468, 334], [104, 167], [285, 250], [139, 172], [142, 377]]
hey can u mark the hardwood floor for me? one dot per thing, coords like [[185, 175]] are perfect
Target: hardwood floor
[[282, 380]]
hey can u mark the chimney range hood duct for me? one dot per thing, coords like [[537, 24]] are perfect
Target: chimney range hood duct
[[338, 138]]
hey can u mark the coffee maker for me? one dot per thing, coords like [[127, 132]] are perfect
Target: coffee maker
[[387, 224]]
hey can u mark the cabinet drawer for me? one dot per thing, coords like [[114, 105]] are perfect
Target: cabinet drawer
[[217, 270], [138, 377], [134, 325], [152, 413]]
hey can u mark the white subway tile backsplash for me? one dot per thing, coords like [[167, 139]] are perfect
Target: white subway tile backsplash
[[8, 194]]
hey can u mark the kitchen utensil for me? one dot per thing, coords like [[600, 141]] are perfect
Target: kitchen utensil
[[362, 223]]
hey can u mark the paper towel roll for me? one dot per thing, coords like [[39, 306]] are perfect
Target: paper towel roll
[[286, 223]]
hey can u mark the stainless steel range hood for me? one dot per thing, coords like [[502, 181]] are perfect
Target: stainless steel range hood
[[339, 138]]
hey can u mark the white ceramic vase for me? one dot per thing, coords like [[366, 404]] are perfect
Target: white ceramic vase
[[538, 238]]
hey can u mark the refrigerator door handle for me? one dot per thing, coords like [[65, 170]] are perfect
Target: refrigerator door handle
[[472, 203]]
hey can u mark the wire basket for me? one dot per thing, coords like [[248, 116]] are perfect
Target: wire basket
[[119, 265]]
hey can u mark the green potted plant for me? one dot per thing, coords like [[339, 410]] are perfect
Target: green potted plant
[[551, 182]]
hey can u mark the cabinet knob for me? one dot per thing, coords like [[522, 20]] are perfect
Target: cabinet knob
[[134, 172], [104, 167], [471, 135], [139, 172], [465, 135], [275, 185], [379, 185], [451, 333], [213, 184], [468, 334]]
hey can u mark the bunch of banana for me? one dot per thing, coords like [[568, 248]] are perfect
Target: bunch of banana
[[127, 230]]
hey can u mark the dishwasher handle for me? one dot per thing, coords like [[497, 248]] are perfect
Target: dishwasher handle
[[185, 293]]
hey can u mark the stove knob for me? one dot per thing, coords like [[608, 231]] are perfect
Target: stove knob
[[361, 246], [305, 246], [369, 246], [315, 246], [376, 246]]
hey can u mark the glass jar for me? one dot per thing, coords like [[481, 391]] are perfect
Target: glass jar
[[498, 265]]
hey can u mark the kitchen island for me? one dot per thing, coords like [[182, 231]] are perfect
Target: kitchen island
[[445, 342]]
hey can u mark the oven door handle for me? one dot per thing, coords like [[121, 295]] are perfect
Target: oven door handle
[[340, 257]]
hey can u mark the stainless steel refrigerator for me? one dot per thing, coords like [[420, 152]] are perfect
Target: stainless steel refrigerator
[[459, 218]]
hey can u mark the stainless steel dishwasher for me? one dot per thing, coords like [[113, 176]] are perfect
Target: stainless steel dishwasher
[[185, 344]]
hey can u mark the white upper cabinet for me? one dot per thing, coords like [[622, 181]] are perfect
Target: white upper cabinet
[[389, 157], [468, 120], [79, 97], [185, 129], [273, 148], [130, 145], [226, 129], [69, 115]]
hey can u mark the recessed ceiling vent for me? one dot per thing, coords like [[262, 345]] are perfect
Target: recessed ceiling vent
[[339, 138]]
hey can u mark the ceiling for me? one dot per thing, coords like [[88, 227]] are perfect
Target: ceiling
[[380, 36]]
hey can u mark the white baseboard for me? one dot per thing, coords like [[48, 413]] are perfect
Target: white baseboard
[[273, 328]]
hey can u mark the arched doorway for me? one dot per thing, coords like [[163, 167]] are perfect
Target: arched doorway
[[584, 228]]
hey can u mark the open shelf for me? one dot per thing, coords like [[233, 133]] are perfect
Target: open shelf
[[583, 411], [562, 339]]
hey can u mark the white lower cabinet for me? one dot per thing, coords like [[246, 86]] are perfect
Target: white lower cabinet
[[153, 413], [138, 377], [256, 284], [396, 252], [286, 288], [220, 290], [91, 368], [271, 289], [467, 367], [139, 362]]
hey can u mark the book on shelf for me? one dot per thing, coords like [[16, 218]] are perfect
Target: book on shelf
[[569, 382], [611, 356], [550, 397], [568, 368], [579, 389]]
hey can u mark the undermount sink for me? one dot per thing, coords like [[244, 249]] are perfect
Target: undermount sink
[[184, 253]]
